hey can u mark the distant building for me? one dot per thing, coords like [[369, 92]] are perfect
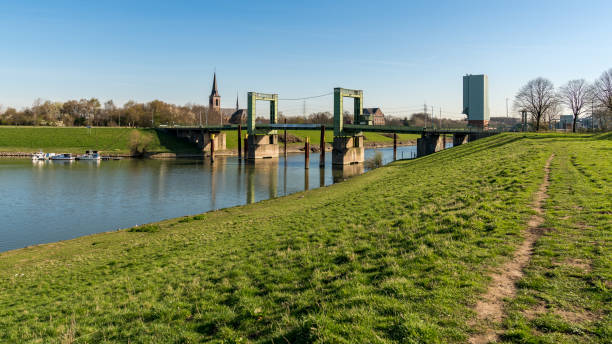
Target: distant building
[[476, 100], [214, 102], [239, 116], [566, 122], [378, 117]]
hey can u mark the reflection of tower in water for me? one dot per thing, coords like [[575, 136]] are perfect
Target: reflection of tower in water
[[343, 172], [322, 176], [255, 177], [250, 177], [285, 175], [273, 178], [213, 191]]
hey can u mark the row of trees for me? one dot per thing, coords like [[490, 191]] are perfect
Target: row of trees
[[415, 120], [542, 101], [132, 114], [92, 112]]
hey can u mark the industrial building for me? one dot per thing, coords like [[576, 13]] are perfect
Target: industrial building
[[476, 100]]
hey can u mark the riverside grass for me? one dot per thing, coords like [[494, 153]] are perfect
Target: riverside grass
[[397, 255], [79, 139], [116, 140]]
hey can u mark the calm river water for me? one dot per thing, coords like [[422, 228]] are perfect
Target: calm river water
[[49, 201]]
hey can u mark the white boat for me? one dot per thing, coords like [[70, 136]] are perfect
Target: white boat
[[89, 155], [62, 156], [49, 156], [38, 156]]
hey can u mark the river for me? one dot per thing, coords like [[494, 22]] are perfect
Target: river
[[49, 201]]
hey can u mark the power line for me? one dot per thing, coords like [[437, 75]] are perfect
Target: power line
[[319, 96]]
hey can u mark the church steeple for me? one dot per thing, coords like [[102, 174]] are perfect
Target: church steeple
[[214, 101], [214, 91], [237, 106]]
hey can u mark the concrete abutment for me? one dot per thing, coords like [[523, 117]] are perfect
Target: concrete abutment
[[347, 150], [429, 143], [262, 146]]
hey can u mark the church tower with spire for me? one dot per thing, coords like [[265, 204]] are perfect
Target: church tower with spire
[[214, 101]]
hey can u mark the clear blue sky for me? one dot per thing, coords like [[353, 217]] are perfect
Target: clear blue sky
[[401, 54]]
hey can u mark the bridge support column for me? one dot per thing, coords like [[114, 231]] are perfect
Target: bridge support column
[[205, 139], [459, 139], [429, 143], [262, 146], [348, 150]]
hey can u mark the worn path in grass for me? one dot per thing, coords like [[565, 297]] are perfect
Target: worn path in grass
[[490, 309]]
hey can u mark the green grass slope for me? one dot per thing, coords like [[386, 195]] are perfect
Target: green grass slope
[[77, 140], [398, 255]]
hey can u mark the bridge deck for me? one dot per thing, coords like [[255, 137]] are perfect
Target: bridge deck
[[346, 127]]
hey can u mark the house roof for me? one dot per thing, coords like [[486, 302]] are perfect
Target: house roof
[[372, 111], [238, 116]]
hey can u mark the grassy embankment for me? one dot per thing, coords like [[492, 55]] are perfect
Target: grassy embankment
[[400, 254], [116, 140], [77, 140]]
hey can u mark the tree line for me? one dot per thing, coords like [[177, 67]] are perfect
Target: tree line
[[543, 102], [91, 112], [156, 113]]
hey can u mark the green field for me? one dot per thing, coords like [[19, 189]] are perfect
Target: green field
[[77, 140], [398, 255], [116, 140]]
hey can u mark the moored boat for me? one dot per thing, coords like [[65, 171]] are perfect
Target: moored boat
[[62, 156], [89, 155], [38, 156]]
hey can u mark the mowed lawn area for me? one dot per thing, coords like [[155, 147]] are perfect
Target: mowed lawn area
[[79, 139], [398, 255]]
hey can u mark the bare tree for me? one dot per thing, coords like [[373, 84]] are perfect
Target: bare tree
[[602, 90], [575, 95], [537, 97]]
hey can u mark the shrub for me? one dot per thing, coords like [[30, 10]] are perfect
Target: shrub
[[139, 143], [145, 228], [375, 161]]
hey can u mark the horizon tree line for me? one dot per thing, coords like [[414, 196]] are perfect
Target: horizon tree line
[[91, 112]]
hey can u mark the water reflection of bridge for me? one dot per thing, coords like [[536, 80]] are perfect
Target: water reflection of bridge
[[270, 177]]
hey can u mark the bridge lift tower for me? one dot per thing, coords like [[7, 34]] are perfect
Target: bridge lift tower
[[262, 143], [348, 146]]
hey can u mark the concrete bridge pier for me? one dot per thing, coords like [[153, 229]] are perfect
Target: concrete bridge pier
[[459, 139], [203, 139], [429, 143], [211, 138], [262, 146], [348, 150]]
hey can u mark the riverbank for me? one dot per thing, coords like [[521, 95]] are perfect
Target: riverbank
[[23, 141], [399, 254]]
